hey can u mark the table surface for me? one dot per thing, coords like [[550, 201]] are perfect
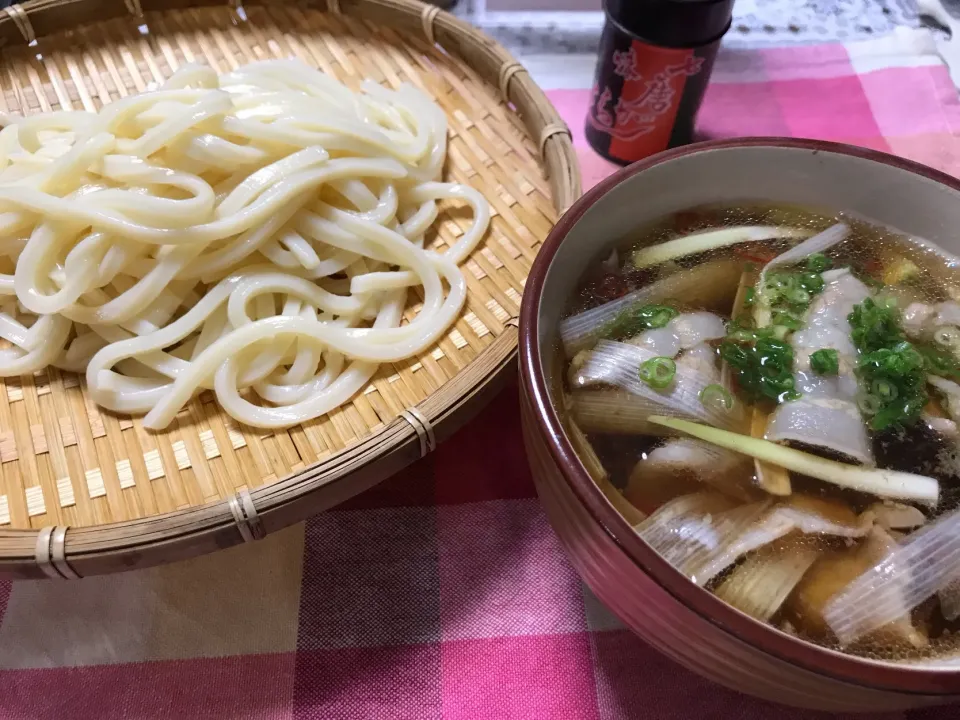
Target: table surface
[[443, 593], [756, 23]]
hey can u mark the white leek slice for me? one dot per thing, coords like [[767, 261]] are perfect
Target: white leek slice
[[706, 240], [818, 243], [685, 331], [812, 516], [950, 392], [708, 286], [948, 313], [702, 503], [694, 527], [833, 572], [826, 415], [616, 412], [949, 597], [701, 541], [753, 526], [618, 364], [942, 426], [760, 585], [883, 483], [922, 565]]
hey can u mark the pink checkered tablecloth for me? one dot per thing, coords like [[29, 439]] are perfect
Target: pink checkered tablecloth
[[443, 593]]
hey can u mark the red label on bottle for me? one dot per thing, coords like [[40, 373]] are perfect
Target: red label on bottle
[[640, 118]]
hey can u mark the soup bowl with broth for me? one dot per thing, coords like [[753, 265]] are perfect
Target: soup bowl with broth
[[740, 378]]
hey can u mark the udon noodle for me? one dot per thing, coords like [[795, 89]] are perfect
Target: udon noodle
[[256, 234]]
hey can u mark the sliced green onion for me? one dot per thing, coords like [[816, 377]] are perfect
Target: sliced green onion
[[637, 318], [777, 331], [891, 370], [716, 396], [659, 315], [825, 361], [787, 320], [764, 367], [887, 301], [940, 362], [818, 262], [884, 390], [948, 336], [749, 296], [742, 336], [811, 282], [658, 372], [797, 294], [777, 283], [869, 404]]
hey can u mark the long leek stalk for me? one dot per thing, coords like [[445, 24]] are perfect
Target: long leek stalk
[[706, 240], [883, 483]]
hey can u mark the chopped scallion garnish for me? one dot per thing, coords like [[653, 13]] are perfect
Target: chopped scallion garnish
[[875, 326], [658, 372], [825, 361], [764, 365], [797, 294], [869, 404], [787, 320], [811, 282], [742, 335], [884, 390], [716, 396], [778, 332], [940, 362], [891, 370], [637, 318], [818, 262], [948, 336], [761, 357]]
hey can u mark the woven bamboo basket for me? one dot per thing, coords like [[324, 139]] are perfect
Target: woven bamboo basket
[[85, 491]]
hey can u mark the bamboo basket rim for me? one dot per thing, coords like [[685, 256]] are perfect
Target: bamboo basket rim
[[62, 552]]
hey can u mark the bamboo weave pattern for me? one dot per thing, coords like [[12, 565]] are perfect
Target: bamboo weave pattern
[[65, 462]]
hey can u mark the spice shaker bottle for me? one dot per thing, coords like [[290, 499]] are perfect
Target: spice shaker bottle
[[654, 63]]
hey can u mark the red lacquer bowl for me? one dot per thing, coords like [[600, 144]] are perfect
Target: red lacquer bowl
[[682, 620]]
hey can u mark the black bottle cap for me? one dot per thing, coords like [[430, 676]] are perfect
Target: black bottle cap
[[672, 23]]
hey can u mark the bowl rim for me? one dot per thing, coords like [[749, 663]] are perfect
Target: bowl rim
[[816, 659]]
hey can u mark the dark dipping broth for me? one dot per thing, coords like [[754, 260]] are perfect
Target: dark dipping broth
[[770, 396]]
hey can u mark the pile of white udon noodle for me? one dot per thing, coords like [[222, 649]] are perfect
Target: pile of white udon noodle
[[256, 233]]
